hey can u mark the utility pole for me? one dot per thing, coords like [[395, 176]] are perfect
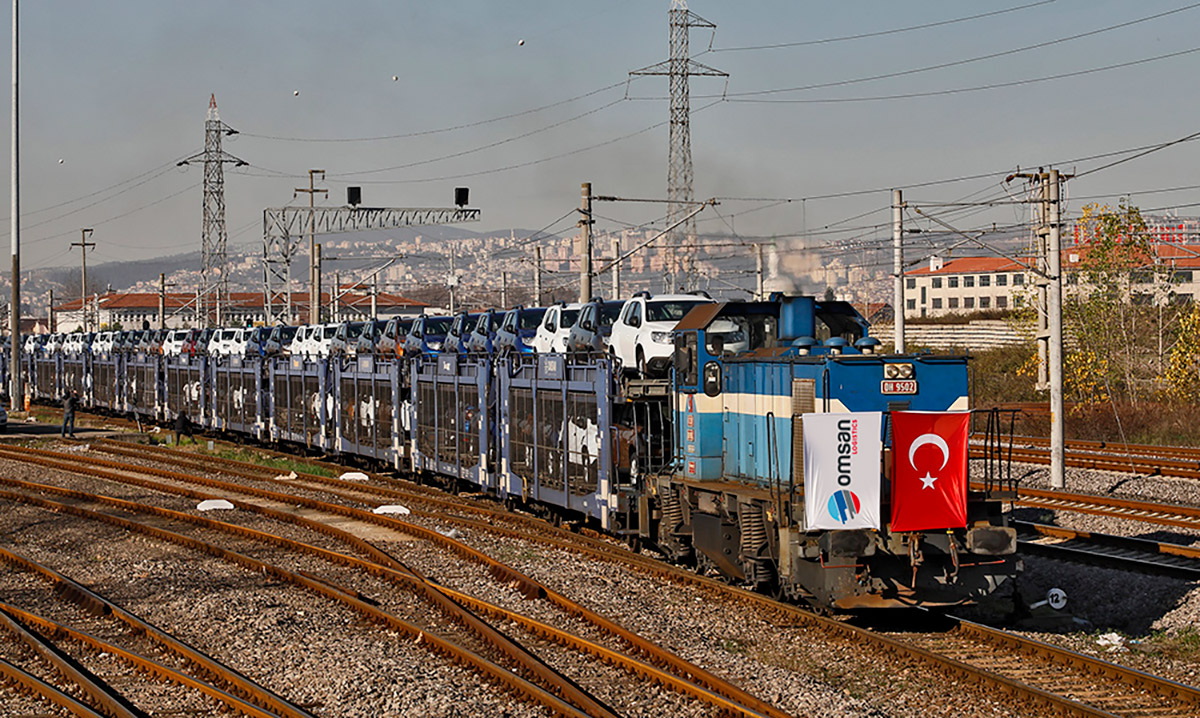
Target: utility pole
[[504, 290], [335, 301], [14, 315], [1048, 221], [758, 272], [585, 240], [452, 280], [314, 298], [898, 268], [314, 267], [1054, 310], [375, 297], [83, 244], [616, 268], [537, 276], [162, 301], [1041, 232], [50, 320]]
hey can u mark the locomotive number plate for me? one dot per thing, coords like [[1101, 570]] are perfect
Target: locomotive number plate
[[898, 386]]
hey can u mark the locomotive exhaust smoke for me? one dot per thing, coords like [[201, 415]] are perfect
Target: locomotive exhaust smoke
[[793, 268]]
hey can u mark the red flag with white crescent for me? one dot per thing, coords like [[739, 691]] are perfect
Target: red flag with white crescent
[[929, 470]]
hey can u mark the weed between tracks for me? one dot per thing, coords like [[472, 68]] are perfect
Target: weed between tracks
[[198, 446], [1183, 645]]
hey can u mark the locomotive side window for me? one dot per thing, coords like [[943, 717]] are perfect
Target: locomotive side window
[[686, 359]]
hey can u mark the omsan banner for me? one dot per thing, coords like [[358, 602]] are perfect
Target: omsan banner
[[842, 470]]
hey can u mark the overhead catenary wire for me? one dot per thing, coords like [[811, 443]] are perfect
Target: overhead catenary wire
[[966, 61], [880, 33], [439, 130]]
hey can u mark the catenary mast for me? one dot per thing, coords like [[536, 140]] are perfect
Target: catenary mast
[[214, 275], [680, 248]]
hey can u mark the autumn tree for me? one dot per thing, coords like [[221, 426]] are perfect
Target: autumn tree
[[1117, 306]]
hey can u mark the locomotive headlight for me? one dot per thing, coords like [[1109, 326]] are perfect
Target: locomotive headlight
[[906, 371], [660, 337]]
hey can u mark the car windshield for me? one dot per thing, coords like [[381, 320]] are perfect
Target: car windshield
[[669, 311], [329, 332], [354, 331], [530, 318], [438, 325], [568, 318], [609, 312]]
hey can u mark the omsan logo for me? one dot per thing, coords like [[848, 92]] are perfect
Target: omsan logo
[[843, 505]]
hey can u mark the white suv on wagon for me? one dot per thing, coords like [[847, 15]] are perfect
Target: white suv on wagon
[[556, 325], [643, 338]]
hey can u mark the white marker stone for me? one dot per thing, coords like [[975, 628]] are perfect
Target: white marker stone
[[213, 505], [393, 509]]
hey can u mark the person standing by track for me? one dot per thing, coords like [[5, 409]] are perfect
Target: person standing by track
[[70, 402], [183, 427]]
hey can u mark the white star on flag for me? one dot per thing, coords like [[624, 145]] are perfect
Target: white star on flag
[[927, 481]]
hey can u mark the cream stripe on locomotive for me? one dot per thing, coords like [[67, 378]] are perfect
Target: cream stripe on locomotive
[[762, 404]]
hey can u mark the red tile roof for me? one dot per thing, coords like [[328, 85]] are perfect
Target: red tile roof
[[242, 300], [972, 265]]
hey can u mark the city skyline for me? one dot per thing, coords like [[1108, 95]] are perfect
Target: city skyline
[[120, 95]]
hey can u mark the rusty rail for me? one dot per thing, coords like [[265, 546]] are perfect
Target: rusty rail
[[138, 661], [393, 570], [500, 571], [100, 606], [1013, 687], [97, 692], [30, 683]]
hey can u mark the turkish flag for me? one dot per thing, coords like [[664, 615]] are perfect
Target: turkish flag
[[929, 470]]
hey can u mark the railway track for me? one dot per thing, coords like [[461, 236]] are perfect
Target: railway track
[[1182, 462], [384, 566], [1029, 671], [1130, 554], [222, 685], [1152, 512]]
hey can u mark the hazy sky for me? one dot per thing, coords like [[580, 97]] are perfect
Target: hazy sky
[[118, 92]]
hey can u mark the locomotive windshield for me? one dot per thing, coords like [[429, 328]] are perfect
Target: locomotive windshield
[[669, 311]]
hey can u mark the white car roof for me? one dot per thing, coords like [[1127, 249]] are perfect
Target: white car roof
[[677, 298]]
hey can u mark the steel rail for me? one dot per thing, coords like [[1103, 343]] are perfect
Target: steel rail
[[1112, 507], [387, 567], [534, 528], [139, 661], [26, 681], [1011, 686], [1114, 448], [435, 643], [96, 604], [98, 693], [731, 695], [1180, 468], [1122, 552]]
